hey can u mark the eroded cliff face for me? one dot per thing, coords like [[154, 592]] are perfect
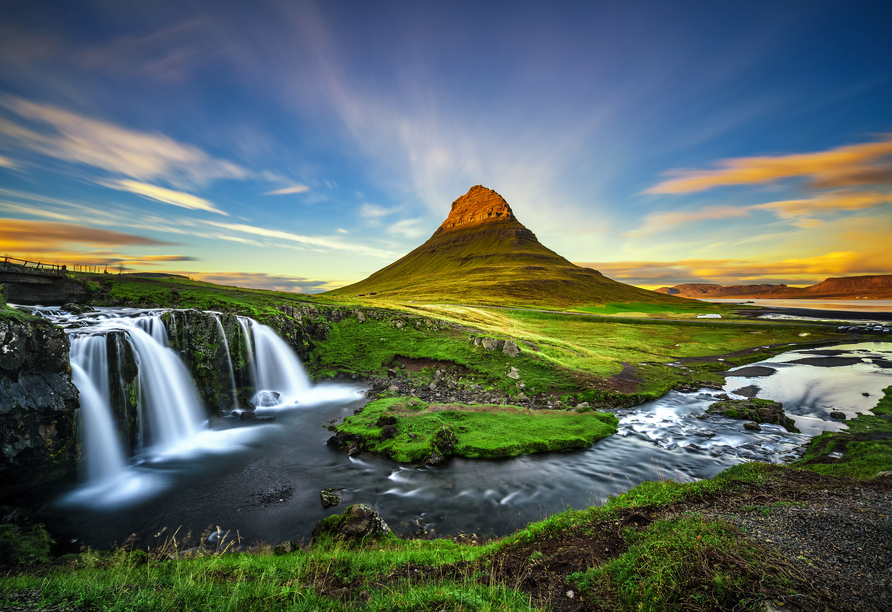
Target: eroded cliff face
[[477, 207], [38, 405]]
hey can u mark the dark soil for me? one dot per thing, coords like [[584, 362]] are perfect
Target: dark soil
[[752, 372]]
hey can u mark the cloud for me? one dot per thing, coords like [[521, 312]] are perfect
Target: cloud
[[5, 162], [373, 211], [408, 228], [827, 202], [289, 190], [314, 242], [663, 221], [82, 140], [168, 196], [795, 271], [848, 165], [16, 234], [808, 223], [341, 230], [259, 280]]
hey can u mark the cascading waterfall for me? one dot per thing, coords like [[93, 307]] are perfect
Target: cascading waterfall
[[103, 452], [228, 361], [278, 368], [244, 324]]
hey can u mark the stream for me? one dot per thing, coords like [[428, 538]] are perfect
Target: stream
[[262, 482]]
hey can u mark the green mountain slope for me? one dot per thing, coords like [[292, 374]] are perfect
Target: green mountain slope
[[482, 254]]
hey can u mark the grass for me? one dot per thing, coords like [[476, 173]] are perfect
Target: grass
[[472, 431], [687, 564], [866, 446]]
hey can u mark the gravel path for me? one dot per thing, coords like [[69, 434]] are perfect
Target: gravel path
[[841, 538]]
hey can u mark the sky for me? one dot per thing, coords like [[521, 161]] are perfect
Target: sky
[[302, 146]]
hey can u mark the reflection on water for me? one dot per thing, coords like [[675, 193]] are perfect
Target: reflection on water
[[221, 484]]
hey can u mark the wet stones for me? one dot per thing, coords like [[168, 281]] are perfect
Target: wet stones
[[329, 497], [754, 410]]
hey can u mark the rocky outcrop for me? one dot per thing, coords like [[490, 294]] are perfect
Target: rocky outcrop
[[358, 524], [199, 336], [754, 410], [480, 205], [38, 405], [123, 389], [873, 286], [509, 347]]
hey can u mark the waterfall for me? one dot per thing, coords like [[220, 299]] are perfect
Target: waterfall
[[278, 368], [245, 326], [167, 395], [228, 361], [103, 452]]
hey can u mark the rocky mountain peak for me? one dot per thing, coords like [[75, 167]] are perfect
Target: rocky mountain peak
[[480, 205]]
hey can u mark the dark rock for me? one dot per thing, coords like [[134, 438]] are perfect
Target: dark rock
[[836, 414], [385, 420], [358, 523], [73, 308], [389, 432], [752, 425], [38, 405], [329, 497], [866, 394], [760, 411], [286, 548]]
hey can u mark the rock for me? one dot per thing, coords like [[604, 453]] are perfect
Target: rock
[[510, 348], [389, 432], [758, 410], [286, 548], [38, 405], [393, 389], [582, 405], [329, 497], [442, 445], [268, 398], [513, 374], [866, 394], [493, 344], [884, 473], [358, 523], [752, 425], [77, 308], [836, 414]]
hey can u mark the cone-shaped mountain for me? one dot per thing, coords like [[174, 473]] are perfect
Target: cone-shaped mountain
[[482, 254]]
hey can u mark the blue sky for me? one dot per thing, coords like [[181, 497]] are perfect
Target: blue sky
[[302, 146]]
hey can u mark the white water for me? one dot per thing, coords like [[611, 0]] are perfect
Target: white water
[[228, 361], [278, 368], [245, 327], [103, 452]]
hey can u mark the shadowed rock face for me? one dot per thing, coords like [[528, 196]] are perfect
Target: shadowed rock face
[[38, 405]]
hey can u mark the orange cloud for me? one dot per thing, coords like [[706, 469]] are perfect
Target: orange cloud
[[794, 271], [16, 234], [857, 164], [259, 280], [835, 200]]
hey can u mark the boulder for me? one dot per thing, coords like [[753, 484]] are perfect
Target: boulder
[[836, 414], [286, 548], [358, 523], [510, 348], [756, 410], [493, 344], [329, 497]]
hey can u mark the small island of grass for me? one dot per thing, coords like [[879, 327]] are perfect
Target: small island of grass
[[412, 431]]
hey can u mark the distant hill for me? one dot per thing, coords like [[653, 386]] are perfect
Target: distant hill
[[482, 254], [853, 287]]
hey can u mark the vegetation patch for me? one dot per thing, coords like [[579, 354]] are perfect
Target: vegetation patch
[[757, 410], [863, 451], [414, 431]]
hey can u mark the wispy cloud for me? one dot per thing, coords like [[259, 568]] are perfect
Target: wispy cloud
[[5, 162], [857, 164], [83, 140], [167, 196], [16, 234], [313, 242], [257, 280], [373, 211], [289, 190], [663, 221], [826, 202], [408, 228]]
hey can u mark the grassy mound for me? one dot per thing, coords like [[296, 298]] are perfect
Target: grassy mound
[[413, 431]]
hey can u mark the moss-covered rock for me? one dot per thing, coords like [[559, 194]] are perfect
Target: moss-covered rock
[[358, 524], [758, 410]]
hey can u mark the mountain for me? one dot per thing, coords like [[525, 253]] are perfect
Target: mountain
[[852, 287], [482, 254]]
